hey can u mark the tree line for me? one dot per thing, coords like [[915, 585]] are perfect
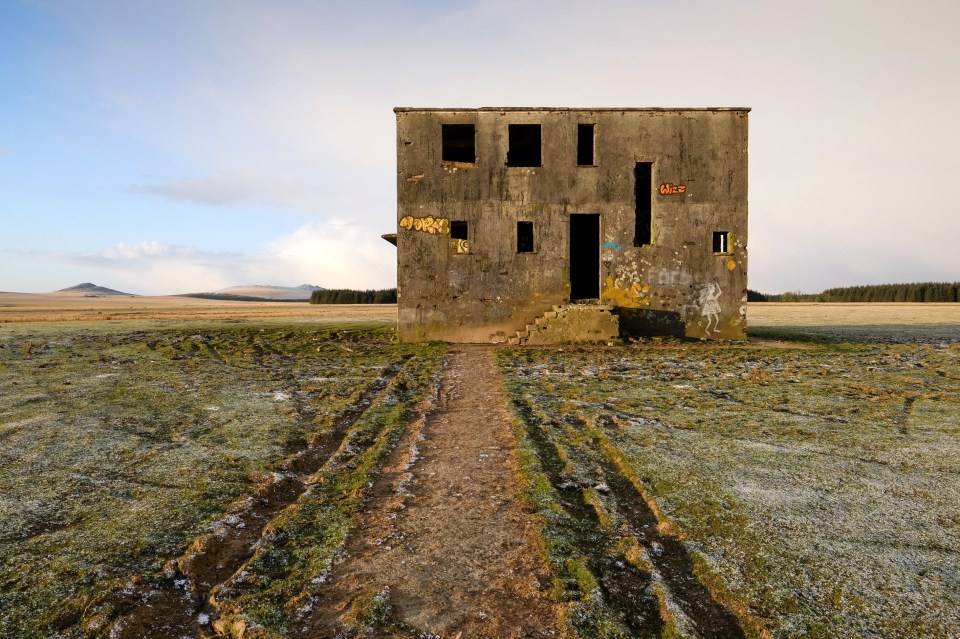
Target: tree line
[[351, 296], [917, 292]]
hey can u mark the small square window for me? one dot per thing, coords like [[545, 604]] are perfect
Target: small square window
[[524, 237], [585, 144], [720, 242], [458, 230], [458, 143], [524, 141]]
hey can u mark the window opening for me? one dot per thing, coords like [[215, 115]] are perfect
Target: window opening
[[458, 143], [720, 242], [524, 237], [524, 145], [643, 186], [458, 230], [458, 238], [585, 144]]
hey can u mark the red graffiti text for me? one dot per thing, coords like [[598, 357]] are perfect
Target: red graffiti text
[[672, 189]]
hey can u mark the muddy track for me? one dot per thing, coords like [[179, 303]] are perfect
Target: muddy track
[[626, 589], [178, 605], [670, 558]]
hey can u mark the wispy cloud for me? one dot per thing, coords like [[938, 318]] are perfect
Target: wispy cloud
[[233, 189]]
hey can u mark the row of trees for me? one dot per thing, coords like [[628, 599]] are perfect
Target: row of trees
[[918, 292], [350, 296]]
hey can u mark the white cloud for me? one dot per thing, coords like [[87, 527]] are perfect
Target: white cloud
[[333, 255]]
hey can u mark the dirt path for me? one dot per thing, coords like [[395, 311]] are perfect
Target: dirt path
[[443, 539]]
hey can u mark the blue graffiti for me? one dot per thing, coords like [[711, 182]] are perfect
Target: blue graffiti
[[610, 244]]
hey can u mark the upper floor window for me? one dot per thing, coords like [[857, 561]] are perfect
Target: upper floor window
[[458, 143], [524, 145], [585, 144], [643, 192]]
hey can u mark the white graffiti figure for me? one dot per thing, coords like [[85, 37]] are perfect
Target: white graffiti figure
[[710, 305]]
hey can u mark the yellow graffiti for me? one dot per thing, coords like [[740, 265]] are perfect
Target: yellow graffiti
[[633, 297], [429, 224], [459, 246], [731, 264]]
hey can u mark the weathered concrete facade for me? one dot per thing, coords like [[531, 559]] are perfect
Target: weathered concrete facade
[[644, 210]]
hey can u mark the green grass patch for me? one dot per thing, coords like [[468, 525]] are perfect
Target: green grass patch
[[816, 488], [120, 444], [277, 588]]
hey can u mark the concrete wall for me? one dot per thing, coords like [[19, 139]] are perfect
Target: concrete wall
[[675, 285]]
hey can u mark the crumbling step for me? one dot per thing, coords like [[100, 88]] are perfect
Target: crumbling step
[[570, 323]]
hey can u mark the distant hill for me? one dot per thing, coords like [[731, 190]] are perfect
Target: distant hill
[[88, 289], [254, 292]]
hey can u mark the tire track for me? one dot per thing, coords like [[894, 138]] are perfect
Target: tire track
[[669, 556], [626, 592], [177, 605], [624, 587]]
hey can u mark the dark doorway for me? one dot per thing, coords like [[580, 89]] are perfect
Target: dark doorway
[[584, 256]]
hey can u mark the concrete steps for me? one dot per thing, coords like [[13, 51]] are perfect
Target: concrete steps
[[570, 323]]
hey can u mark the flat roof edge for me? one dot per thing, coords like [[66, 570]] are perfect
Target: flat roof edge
[[546, 109]]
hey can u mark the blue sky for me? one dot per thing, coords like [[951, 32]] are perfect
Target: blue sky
[[177, 146]]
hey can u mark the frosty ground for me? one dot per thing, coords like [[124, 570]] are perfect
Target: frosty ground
[[164, 477]]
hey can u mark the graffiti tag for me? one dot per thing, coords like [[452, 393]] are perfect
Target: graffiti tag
[[459, 246], [666, 276], [429, 224], [672, 189]]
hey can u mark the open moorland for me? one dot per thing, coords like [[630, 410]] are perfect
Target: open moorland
[[188, 468]]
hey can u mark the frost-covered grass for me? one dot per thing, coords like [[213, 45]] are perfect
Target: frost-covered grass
[[120, 443], [817, 486], [276, 590]]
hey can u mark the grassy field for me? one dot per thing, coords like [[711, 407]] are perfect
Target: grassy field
[[804, 484], [815, 487], [123, 442], [19, 308]]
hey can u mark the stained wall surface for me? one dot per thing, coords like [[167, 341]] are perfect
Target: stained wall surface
[[690, 279]]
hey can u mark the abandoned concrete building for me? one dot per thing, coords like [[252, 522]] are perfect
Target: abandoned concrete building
[[544, 225]]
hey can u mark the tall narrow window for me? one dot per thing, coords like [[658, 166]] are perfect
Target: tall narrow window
[[524, 141], [643, 185], [524, 237], [458, 238], [458, 143], [720, 242], [585, 144]]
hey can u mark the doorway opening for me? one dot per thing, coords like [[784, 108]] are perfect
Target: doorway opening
[[584, 256]]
